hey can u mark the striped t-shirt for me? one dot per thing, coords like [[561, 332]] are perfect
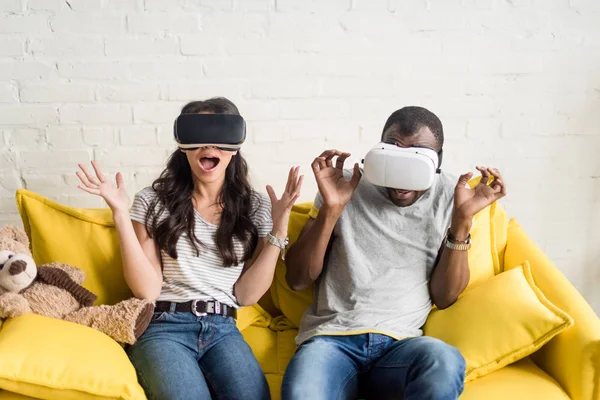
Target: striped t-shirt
[[203, 277]]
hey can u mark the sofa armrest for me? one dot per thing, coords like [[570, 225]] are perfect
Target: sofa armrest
[[573, 357]]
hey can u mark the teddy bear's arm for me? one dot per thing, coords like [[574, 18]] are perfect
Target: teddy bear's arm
[[74, 273], [13, 305]]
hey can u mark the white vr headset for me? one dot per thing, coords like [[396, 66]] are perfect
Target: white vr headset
[[411, 168]]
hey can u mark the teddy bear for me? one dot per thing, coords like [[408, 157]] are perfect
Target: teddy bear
[[54, 290]]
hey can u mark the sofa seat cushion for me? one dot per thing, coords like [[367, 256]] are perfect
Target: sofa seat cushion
[[522, 380], [47, 358]]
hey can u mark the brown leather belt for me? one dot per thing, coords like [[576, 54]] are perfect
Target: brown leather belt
[[197, 307]]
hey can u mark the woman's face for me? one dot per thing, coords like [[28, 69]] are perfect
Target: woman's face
[[209, 163]]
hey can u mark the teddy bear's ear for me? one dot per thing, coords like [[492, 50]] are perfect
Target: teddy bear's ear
[[15, 233]]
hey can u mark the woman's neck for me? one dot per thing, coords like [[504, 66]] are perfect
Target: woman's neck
[[207, 194]]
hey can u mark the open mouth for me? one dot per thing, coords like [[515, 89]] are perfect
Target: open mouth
[[209, 164], [402, 194]]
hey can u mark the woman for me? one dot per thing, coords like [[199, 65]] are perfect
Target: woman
[[195, 241]]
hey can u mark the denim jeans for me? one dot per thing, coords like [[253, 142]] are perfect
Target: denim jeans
[[181, 356], [374, 366]]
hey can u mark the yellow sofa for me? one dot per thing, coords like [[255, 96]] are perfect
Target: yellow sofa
[[42, 358]]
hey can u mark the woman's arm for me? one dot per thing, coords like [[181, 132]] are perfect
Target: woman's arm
[[141, 262]]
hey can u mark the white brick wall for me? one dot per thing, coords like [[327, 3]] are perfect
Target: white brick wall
[[516, 84]]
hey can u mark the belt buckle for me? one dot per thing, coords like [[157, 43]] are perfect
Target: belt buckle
[[195, 309]]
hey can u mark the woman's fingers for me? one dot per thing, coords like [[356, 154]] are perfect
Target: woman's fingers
[[85, 180], [89, 190], [88, 175], [120, 182], [271, 194], [289, 179], [98, 171]]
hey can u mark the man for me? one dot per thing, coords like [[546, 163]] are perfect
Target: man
[[375, 258]]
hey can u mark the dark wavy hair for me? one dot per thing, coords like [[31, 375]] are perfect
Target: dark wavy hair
[[174, 189]]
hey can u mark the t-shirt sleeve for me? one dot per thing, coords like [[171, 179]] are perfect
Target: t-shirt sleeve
[[262, 215], [139, 208]]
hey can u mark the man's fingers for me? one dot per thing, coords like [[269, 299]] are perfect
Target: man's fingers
[[485, 175], [89, 176], [330, 153], [356, 176], [464, 179], [271, 194], [315, 165], [495, 173], [499, 187], [98, 171], [341, 160]]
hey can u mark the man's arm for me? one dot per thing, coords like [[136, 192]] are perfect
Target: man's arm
[[305, 257], [451, 274]]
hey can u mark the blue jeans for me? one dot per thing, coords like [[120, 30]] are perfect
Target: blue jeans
[[181, 356], [374, 366]]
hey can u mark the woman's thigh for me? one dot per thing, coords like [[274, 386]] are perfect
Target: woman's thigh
[[232, 371], [166, 361]]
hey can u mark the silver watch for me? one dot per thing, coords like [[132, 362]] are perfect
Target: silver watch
[[282, 244]]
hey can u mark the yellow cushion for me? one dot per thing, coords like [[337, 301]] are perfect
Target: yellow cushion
[[85, 238], [522, 380], [499, 322], [6, 395], [52, 359]]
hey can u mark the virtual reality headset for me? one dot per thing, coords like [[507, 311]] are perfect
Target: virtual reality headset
[[225, 131], [412, 168]]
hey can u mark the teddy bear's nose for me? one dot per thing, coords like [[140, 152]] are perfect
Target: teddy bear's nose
[[17, 267]]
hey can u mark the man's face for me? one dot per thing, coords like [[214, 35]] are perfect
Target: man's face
[[422, 138]]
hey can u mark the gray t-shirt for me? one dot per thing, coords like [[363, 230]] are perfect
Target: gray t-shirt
[[377, 270]]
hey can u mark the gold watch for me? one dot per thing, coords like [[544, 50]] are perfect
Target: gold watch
[[452, 243]]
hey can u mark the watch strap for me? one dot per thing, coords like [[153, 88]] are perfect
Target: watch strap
[[275, 241]]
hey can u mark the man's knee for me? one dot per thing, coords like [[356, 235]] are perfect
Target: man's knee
[[317, 370], [442, 360]]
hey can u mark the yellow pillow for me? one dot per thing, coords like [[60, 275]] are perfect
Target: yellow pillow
[[499, 322], [85, 238], [47, 358]]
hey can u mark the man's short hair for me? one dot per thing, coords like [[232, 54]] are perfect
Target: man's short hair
[[410, 119]]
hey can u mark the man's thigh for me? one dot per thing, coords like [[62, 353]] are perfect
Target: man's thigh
[[322, 369], [417, 368]]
